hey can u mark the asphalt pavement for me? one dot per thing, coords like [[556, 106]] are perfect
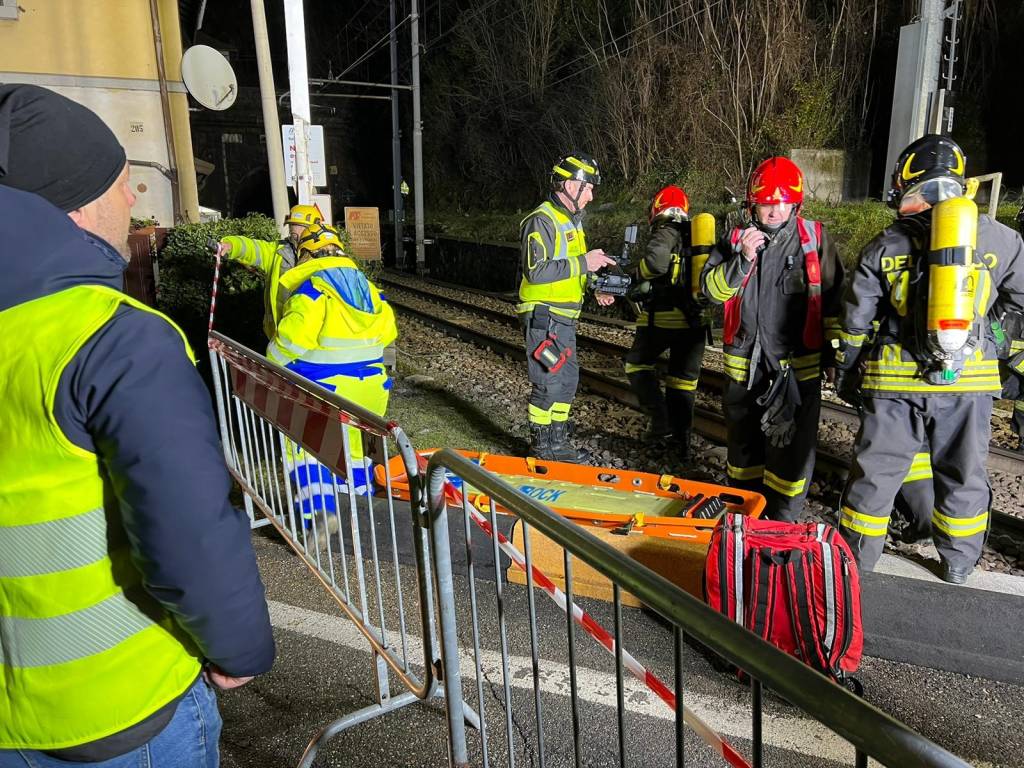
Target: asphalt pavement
[[325, 671]]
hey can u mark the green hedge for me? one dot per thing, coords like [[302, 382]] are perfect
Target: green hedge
[[186, 277]]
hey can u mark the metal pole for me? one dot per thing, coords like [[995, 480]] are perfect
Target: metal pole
[[396, 149], [165, 108], [298, 81], [931, 59], [417, 138], [271, 121]]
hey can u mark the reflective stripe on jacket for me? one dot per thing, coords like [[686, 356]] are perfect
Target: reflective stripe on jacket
[[810, 238], [86, 652], [273, 259], [667, 264], [334, 322], [889, 290], [553, 263], [774, 308]]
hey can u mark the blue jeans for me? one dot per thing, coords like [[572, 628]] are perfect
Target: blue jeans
[[190, 740]]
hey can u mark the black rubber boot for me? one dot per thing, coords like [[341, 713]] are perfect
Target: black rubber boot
[[680, 417], [540, 442], [561, 449]]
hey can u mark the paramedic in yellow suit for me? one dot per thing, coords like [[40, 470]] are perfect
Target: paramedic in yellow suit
[[272, 258], [333, 329]]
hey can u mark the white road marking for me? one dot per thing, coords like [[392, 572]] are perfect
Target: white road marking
[[797, 734]]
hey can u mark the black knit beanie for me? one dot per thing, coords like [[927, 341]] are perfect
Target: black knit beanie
[[55, 147]]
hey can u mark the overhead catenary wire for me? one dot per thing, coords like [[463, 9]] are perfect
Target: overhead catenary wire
[[373, 48]]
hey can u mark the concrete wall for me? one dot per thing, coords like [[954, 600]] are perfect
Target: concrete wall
[[102, 54], [831, 175]]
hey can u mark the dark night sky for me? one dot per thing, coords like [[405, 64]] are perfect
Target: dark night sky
[[338, 31]]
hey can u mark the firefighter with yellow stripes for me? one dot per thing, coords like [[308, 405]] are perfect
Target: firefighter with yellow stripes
[[930, 371], [674, 316], [555, 265], [273, 259], [780, 280]]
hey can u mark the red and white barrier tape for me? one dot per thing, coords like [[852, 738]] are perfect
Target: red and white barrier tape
[[600, 634], [213, 293]]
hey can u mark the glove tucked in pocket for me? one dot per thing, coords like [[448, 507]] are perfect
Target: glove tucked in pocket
[[780, 403]]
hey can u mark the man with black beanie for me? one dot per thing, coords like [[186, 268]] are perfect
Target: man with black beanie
[[128, 584]]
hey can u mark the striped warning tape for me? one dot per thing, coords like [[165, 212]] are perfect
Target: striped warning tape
[[597, 632]]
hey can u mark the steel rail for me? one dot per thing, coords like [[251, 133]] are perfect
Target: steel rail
[[707, 423]]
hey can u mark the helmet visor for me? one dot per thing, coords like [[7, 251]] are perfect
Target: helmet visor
[[934, 191]]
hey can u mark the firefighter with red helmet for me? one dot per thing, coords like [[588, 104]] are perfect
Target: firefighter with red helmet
[[673, 316], [929, 283], [780, 280]]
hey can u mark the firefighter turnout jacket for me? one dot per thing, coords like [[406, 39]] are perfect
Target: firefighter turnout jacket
[[668, 265], [772, 301], [553, 261], [273, 259], [890, 286]]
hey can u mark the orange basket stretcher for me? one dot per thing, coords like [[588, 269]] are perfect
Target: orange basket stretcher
[[648, 516]]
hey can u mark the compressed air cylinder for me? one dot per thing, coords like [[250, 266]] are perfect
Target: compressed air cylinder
[[951, 276], [702, 240]]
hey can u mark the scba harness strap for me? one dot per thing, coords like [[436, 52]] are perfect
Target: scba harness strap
[[810, 244]]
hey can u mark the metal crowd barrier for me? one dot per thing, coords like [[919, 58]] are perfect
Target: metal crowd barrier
[[284, 437], [871, 732], [266, 413]]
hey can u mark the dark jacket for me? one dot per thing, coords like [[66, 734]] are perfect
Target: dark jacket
[[774, 303], [132, 396], [667, 263], [889, 289]]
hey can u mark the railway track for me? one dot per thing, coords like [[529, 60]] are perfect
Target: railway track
[[707, 422]]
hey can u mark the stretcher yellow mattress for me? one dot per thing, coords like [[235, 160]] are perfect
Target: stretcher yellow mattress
[[620, 501]]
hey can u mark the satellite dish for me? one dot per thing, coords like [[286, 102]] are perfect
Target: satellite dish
[[209, 77]]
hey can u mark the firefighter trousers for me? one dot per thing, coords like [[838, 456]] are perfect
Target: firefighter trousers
[[553, 387], [954, 430], [783, 474], [671, 411]]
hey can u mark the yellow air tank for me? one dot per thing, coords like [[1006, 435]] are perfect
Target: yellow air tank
[[702, 240], [951, 275]]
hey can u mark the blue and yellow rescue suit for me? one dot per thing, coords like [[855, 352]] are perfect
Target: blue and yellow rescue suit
[[672, 319], [905, 415], [551, 294], [781, 313], [333, 328]]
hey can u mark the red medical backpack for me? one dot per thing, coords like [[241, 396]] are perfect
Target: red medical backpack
[[793, 584]]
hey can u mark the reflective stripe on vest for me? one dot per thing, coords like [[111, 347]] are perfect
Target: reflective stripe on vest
[[86, 652], [570, 243], [810, 241]]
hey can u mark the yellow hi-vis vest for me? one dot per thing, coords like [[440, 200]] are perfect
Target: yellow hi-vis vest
[[324, 327], [268, 258], [84, 651], [563, 297]]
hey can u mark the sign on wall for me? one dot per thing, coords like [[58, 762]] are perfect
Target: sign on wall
[[363, 227]]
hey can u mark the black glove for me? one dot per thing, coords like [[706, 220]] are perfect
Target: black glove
[[780, 403]]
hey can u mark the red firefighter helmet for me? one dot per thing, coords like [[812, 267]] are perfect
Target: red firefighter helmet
[[776, 180], [670, 204]]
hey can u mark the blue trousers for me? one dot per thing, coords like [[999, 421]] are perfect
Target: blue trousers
[[190, 740]]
